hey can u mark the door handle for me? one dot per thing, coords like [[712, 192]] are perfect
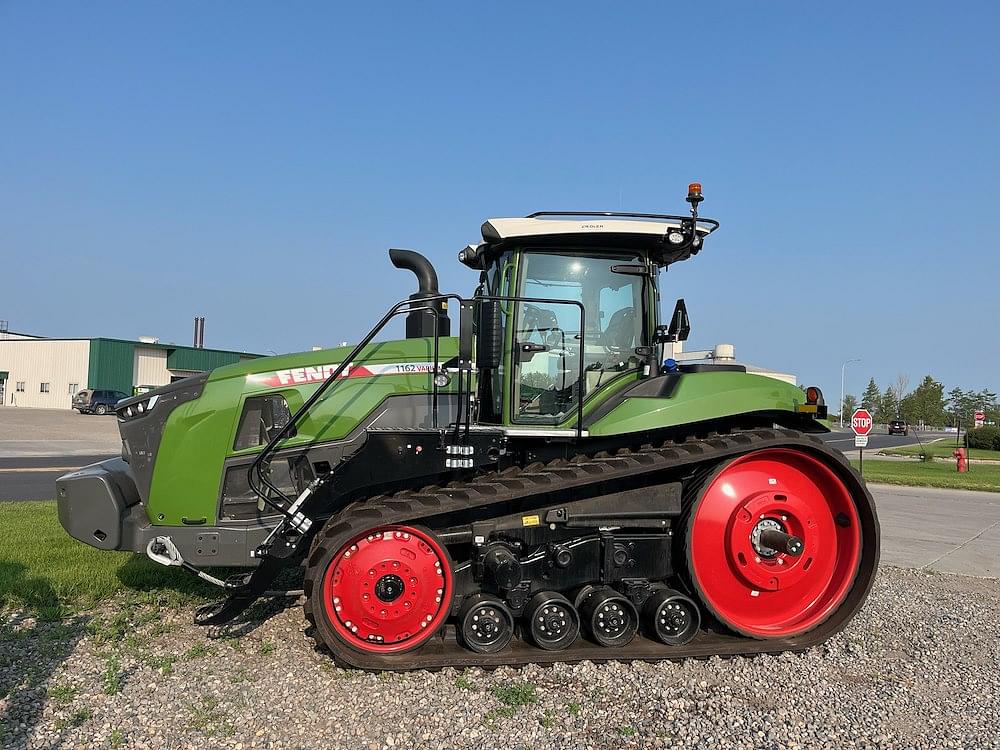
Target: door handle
[[526, 350]]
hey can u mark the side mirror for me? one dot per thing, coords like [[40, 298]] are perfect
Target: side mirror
[[489, 334], [679, 328]]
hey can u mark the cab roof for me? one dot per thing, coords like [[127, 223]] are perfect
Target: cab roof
[[656, 234]]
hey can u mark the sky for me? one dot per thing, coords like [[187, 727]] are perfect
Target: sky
[[252, 162]]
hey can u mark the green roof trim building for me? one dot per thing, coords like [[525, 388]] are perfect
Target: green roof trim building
[[46, 372], [117, 364]]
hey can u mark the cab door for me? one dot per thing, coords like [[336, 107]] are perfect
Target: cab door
[[576, 326]]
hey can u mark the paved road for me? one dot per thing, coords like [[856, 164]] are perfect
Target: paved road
[[844, 441], [34, 477]]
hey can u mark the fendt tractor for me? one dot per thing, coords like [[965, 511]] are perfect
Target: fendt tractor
[[547, 485]]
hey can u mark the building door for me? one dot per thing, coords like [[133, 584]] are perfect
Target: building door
[[3, 387]]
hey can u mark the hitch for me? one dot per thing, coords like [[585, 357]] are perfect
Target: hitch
[[243, 588], [162, 550]]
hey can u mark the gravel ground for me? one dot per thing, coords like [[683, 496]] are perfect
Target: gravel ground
[[916, 669]]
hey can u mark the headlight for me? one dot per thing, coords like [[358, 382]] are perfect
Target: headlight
[[137, 408]]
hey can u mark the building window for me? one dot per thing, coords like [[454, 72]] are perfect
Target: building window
[[44, 388], [73, 388], [20, 386]]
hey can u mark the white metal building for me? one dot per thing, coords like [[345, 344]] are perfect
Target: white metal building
[[46, 373]]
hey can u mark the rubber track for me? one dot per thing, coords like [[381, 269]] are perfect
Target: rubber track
[[419, 506]]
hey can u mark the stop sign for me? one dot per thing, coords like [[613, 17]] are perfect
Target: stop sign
[[862, 422], [980, 416]]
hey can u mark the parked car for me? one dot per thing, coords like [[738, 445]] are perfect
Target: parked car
[[898, 427], [90, 401]]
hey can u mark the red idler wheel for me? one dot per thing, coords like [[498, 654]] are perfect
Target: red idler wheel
[[780, 494], [388, 590]]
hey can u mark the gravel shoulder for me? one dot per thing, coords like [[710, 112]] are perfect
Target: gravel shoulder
[[915, 669]]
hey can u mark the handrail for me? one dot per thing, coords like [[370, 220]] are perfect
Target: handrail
[[404, 306]]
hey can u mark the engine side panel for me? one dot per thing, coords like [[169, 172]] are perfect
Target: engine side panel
[[198, 436], [700, 397]]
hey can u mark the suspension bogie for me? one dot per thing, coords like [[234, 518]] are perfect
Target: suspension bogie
[[558, 584]]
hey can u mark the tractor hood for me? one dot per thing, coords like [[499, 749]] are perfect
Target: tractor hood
[[194, 441]]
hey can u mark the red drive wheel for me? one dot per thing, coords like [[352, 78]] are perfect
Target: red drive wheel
[[768, 592], [388, 589]]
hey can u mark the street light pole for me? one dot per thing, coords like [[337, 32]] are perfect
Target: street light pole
[[843, 370]]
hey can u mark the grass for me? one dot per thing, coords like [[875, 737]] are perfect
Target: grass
[[62, 694], [164, 664], [512, 697], [113, 677], [77, 719], [942, 449], [937, 474], [45, 570], [209, 719], [197, 651], [517, 694]]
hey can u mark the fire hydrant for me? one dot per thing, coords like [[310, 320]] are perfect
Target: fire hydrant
[[961, 463]]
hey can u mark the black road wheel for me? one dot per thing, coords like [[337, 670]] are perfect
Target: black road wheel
[[671, 617], [609, 619], [485, 625], [552, 621]]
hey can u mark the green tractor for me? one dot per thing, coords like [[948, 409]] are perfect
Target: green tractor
[[544, 485]]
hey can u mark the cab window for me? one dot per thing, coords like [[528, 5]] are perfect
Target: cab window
[[550, 342]]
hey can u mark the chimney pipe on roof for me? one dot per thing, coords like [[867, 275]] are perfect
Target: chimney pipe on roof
[[199, 333]]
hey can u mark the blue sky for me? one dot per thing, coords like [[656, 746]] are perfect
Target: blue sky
[[252, 162]]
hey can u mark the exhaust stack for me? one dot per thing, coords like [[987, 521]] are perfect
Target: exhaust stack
[[420, 323]]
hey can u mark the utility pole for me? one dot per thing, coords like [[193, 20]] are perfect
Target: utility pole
[[843, 370]]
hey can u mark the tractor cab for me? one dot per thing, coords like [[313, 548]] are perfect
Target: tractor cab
[[572, 300]]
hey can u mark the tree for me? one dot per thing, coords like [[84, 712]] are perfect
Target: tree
[[889, 406], [871, 399], [902, 383], [925, 404], [988, 403], [961, 404], [847, 408]]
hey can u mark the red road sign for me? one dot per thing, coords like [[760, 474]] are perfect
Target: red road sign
[[862, 422], [980, 416]]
